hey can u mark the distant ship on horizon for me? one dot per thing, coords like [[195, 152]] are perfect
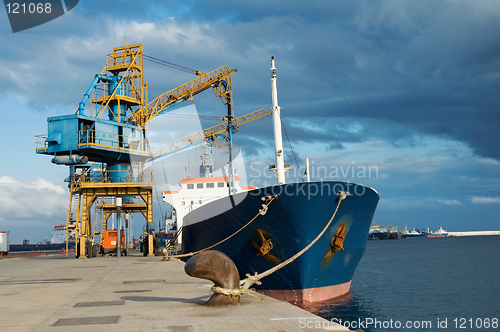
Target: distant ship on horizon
[[57, 241]]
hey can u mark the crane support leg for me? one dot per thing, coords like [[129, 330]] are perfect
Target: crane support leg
[[89, 191], [83, 228], [147, 196]]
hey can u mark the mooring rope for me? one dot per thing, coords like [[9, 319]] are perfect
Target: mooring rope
[[260, 213], [245, 284]]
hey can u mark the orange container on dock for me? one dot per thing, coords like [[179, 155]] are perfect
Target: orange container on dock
[[110, 241]]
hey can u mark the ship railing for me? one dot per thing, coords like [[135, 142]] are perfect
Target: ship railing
[[122, 90], [110, 141], [41, 143], [111, 201], [118, 176], [126, 94]]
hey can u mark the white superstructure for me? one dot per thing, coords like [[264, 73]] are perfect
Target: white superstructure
[[195, 192], [59, 234], [441, 231]]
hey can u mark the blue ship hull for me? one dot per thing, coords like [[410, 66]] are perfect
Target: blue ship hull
[[379, 235], [291, 222], [40, 247]]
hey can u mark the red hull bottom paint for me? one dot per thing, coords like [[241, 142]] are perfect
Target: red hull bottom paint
[[309, 295]]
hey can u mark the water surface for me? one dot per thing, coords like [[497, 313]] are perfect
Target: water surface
[[425, 284]]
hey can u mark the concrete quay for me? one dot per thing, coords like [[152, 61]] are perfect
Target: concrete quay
[[130, 293]]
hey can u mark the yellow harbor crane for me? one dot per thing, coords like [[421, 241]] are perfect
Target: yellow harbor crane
[[119, 141]]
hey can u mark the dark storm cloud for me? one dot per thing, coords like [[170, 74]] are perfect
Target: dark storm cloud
[[431, 67], [434, 72]]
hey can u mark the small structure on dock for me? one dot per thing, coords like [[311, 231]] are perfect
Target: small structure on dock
[[4, 243], [474, 233]]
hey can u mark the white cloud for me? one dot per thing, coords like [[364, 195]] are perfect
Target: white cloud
[[30, 202], [485, 200], [7, 180], [70, 59], [489, 161], [449, 201]]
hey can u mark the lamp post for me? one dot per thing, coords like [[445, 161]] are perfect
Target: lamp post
[[118, 201], [127, 235]]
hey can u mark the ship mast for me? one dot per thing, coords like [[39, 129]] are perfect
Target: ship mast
[[279, 168], [206, 161]]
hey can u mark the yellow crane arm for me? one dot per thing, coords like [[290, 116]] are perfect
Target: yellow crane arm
[[210, 132], [184, 92]]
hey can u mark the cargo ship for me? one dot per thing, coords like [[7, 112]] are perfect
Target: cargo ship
[[57, 242], [394, 234], [288, 217], [439, 233], [378, 232], [415, 233]]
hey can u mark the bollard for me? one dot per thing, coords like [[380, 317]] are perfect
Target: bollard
[[218, 268], [162, 251]]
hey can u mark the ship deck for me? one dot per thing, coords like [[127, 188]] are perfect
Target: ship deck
[[130, 293]]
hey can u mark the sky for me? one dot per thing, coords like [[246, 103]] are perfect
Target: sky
[[407, 88]]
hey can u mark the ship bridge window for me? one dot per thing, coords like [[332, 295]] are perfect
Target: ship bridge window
[[210, 185], [199, 185], [190, 186], [220, 185]]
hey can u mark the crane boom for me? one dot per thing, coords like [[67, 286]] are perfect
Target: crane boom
[[184, 92], [210, 132], [124, 95]]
